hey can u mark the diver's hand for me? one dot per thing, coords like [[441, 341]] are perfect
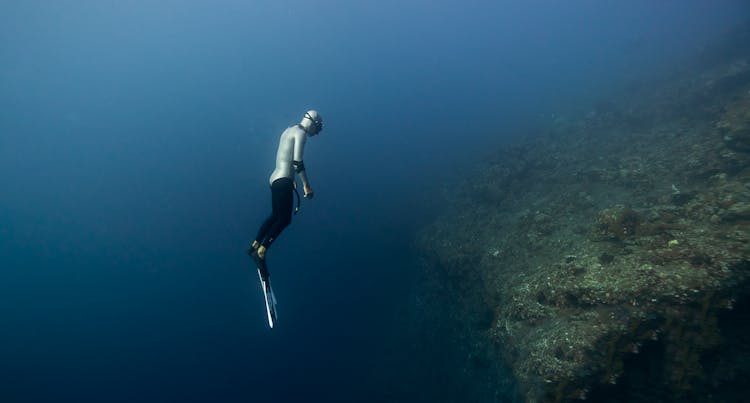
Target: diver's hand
[[308, 191]]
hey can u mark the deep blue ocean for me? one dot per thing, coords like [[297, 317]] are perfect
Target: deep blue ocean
[[136, 142]]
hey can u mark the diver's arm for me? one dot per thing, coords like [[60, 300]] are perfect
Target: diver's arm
[[299, 165], [299, 169]]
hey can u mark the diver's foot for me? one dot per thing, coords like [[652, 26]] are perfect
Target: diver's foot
[[259, 256], [260, 262], [253, 249]]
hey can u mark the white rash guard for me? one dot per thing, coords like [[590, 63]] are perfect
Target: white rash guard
[[291, 148]]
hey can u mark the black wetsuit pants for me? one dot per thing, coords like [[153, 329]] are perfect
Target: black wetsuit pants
[[282, 202]]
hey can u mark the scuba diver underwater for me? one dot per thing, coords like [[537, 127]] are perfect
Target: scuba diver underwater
[[289, 162]]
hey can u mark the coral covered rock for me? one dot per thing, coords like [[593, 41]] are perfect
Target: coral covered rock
[[617, 223], [612, 252], [734, 125]]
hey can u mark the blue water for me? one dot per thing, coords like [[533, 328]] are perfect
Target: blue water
[[136, 140]]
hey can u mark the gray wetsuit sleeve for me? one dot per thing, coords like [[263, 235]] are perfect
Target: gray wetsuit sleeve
[[300, 139]]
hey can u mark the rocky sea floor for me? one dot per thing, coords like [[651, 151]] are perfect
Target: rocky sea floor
[[606, 258]]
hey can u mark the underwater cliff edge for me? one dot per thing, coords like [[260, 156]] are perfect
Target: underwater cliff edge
[[607, 258]]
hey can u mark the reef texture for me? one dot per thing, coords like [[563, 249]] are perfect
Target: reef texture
[[608, 257]]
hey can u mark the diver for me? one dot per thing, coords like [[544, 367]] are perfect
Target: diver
[[288, 163]]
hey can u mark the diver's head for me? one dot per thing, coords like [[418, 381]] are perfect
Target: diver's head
[[312, 122]]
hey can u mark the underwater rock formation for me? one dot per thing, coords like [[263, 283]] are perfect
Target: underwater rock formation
[[735, 124], [613, 251]]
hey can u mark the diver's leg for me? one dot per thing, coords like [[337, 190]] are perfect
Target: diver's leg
[[265, 227], [283, 202]]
